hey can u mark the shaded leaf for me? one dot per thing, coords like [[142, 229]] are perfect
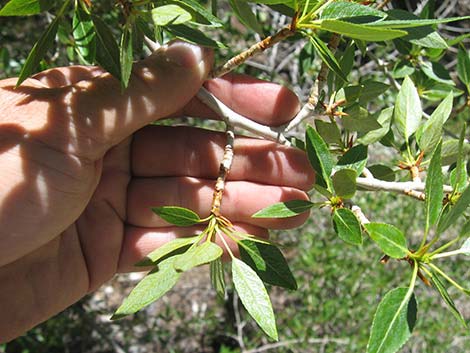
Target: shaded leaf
[[382, 172], [327, 57], [254, 297], [218, 277], [152, 287], [25, 7], [344, 183], [243, 12], [389, 238], [384, 119], [434, 189], [463, 66], [285, 209], [107, 50], [192, 35], [455, 212], [268, 262], [359, 119], [407, 114], [174, 247], [178, 216], [319, 155], [347, 226], [393, 322], [198, 255], [126, 56], [329, 132]]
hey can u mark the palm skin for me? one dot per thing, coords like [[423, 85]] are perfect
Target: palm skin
[[80, 170]]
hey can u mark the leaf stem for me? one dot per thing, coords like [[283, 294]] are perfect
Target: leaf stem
[[449, 279]]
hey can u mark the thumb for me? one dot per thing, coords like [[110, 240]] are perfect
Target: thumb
[[159, 86]]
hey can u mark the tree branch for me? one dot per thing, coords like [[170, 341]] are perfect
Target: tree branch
[[406, 187]]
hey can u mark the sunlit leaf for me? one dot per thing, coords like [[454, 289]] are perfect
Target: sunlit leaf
[[84, 35], [389, 238], [171, 14], [408, 113], [198, 255], [173, 247], [285, 209], [25, 7], [126, 56], [347, 226]]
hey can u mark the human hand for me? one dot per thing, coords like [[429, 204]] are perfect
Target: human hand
[[80, 172]]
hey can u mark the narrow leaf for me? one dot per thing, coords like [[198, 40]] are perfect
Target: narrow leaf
[[463, 66], [429, 134], [152, 287], [192, 35], [25, 7], [455, 212], [440, 287], [327, 56], [84, 35], [126, 56], [254, 297], [347, 226], [243, 12], [178, 216], [218, 277], [389, 238], [344, 183], [416, 23], [175, 246], [434, 189], [107, 50], [268, 262], [198, 255], [393, 322], [284, 209], [360, 31], [408, 111], [170, 14], [319, 156], [344, 9]]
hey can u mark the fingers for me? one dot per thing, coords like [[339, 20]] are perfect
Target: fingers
[[65, 76], [262, 101], [139, 242], [198, 152], [241, 200]]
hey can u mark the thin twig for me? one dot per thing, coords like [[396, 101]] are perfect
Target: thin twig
[[237, 120], [360, 215], [325, 340]]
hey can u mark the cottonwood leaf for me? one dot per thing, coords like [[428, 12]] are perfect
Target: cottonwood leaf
[[84, 35], [344, 183], [434, 189], [382, 172], [192, 35], [361, 31], [463, 66], [198, 255], [176, 246], [170, 14], [384, 119], [329, 132], [268, 262], [218, 277], [327, 57], [126, 56], [389, 238], [179, 216], [355, 158], [455, 212], [153, 286], [359, 119], [347, 226], [285, 209], [440, 287], [107, 50], [429, 134], [410, 23], [25, 7], [393, 322], [344, 9], [254, 297], [243, 12], [408, 112], [319, 156]]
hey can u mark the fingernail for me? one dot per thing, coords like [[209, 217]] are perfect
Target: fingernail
[[185, 54]]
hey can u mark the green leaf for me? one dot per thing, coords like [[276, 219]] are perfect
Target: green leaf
[[429, 134], [329, 132], [371, 90], [193, 35], [439, 286], [178, 216], [361, 32], [347, 226], [319, 155], [198, 255], [107, 50], [463, 66], [284, 209], [327, 56], [384, 119], [218, 277], [382, 172], [355, 158], [458, 176], [359, 119], [126, 56], [408, 112], [416, 23], [243, 12], [25, 7], [84, 35], [393, 322], [42, 45], [344, 9], [171, 14], [389, 238], [437, 72], [176, 246], [152, 287], [268, 262], [344, 183], [450, 151], [199, 12], [254, 297], [455, 212], [434, 189]]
